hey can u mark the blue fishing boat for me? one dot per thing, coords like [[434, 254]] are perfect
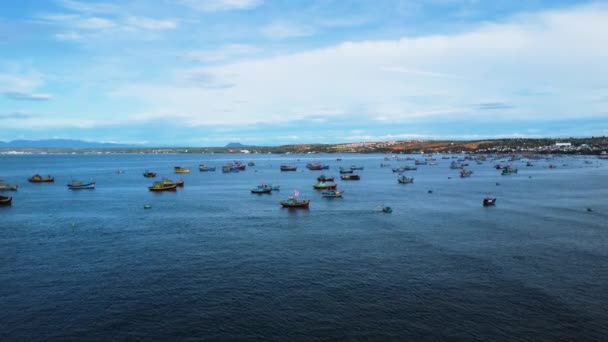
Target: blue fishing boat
[[78, 185], [262, 189]]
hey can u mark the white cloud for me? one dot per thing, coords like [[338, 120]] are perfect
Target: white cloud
[[420, 78], [151, 24], [282, 30], [68, 36], [220, 5], [94, 23], [89, 7], [221, 53]]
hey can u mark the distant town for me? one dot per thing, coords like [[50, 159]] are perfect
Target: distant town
[[585, 146]]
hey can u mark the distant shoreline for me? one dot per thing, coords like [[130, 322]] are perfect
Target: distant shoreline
[[582, 146]]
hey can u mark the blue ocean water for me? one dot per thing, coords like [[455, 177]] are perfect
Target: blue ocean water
[[213, 261]]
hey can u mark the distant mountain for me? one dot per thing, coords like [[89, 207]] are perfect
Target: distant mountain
[[235, 145], [60, 143]]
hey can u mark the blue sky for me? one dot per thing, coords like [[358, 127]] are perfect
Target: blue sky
[[208, 72]]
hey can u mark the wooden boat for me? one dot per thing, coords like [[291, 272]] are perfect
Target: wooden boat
[[323, 178], [324, 186], [161, 186], [508, 170], [179, 169], [167, 181], [78, 185], [489, 201], [465, 173], [332, 193], [229, 169], [405, 168], [205, 168], [314, 167], [343, 170], [6, 200], [39, 179], [350, 177], [405, 180], [293, 202], [6, 186], [288, 168], [262, 189], [149, 174]]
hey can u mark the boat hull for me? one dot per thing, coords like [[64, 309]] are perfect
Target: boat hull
[[87, 186], [295, 205], [169, 187], [6, 200]]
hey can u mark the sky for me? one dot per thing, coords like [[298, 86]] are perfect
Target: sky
[[268, 72]]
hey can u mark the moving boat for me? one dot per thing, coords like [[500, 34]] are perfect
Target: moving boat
[[324, 186], [5, 200], [405, 180], [489, 201], [39, 179], [205, 168], [288, 168], [162, 186], [78, 185], [332, 193], [149, 174], [179, 169], [350, 177], [323, 178]]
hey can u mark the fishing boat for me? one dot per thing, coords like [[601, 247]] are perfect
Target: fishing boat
[[314, 167], [405, 168], [332, 193], [508, 170], [149, 174], [78, 185], [239, 166], [350, 177], [324, 186], [230, 168], [529, 164], [387, 210], [5, 200], [262, 189], [454, 165], [498, 166], [6, 186], [465, 173], [288, 168], [323, 178], [489, 201], [167, 181], [39, 179], [551, 166], [343, 170], [205, 168], [179, 169], [294, 202], [420, 162], [405, 180], [162, 186]]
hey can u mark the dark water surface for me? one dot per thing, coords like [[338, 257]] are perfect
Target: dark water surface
[[213, 261]]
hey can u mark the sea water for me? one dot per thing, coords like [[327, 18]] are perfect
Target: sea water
[[214, 261]]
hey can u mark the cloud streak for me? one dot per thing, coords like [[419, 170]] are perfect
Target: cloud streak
[[21, 96]]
